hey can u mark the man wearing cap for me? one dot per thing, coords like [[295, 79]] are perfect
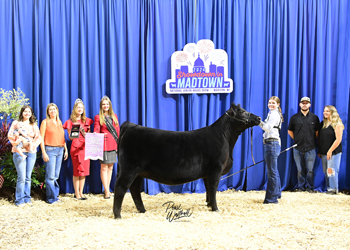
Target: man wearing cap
[[303, 128]]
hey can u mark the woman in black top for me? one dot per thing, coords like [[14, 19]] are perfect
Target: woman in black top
[[330, 147]]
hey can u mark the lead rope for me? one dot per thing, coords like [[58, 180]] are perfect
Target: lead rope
[[251, 143], [257, 163]]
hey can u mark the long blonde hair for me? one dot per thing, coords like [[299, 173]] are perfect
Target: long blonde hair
[[74, 115], [48, 115], [110, 111], [277, 100], [334, 118]]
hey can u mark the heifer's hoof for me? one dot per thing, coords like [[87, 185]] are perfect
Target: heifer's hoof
[[116, 216], [142, 210]]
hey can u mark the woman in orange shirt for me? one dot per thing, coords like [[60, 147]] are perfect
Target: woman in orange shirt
[[107, 122], [52, 145]]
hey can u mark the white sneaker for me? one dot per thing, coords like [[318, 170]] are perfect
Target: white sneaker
[[21, 205], [29, 203], [24, 157]]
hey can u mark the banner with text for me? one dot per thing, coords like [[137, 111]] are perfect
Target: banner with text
[[199, 68]]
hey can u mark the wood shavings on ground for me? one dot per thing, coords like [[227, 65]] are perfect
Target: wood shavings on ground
[[299, 221]]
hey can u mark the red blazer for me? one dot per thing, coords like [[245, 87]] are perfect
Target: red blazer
[[110, 143]]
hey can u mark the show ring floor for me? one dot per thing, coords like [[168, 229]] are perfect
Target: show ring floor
[[299, 221]]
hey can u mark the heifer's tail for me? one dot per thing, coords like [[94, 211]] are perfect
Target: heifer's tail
[[123, 128]]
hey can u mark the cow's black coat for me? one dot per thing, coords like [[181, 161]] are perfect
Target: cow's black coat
[[175, 158]]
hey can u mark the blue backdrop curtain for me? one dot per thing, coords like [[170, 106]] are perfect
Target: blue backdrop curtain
[[57, 51]]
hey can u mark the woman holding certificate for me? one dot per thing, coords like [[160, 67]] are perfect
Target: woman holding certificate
[[107, 122], [81, 167]]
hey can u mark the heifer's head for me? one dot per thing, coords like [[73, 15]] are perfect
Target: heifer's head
[[241, 116]]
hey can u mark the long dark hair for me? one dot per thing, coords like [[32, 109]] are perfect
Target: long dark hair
[[32, 119]]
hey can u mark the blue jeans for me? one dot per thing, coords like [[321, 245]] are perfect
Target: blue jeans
[[305, 162], [24, 176], [273, 190], [334, 162], [53, 168]]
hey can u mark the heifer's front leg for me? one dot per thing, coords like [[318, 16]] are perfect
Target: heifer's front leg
[[207, 198], [135, 190], [121, 186], [213, 182]]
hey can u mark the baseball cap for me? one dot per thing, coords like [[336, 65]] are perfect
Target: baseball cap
[[305, 98]]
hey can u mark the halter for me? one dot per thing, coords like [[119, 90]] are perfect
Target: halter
[[245, 121]]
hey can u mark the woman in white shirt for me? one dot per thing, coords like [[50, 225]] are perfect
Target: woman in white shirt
[[272, 149]]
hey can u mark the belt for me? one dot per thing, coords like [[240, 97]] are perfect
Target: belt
[[270, 140]]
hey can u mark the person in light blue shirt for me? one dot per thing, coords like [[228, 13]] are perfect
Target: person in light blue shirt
[[272, 149]]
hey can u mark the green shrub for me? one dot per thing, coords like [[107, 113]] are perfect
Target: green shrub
[[11, 102], [10, 174], [8, 170]]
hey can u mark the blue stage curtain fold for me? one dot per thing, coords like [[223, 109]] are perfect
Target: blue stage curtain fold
[[283, 48], [58, 51]]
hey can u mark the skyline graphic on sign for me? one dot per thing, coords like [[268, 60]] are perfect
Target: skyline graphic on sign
[[199, 68]]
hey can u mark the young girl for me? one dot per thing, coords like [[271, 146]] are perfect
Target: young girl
[[81, 167], [22, 139], [107, 122], [272, 149]]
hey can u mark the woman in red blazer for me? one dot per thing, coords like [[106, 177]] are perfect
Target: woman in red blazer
[[106, 116]]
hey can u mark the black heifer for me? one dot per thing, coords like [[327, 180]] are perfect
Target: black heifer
[[174, 158]]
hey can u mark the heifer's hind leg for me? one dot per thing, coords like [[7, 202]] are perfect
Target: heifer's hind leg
[[213, 182], [118, 171], [121, 186], [135, 190]]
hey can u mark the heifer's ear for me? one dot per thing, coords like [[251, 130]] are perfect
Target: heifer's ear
[[233, 105], [239, 105], [234, 113]]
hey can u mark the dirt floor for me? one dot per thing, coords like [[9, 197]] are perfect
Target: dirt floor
[[299, 221]]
